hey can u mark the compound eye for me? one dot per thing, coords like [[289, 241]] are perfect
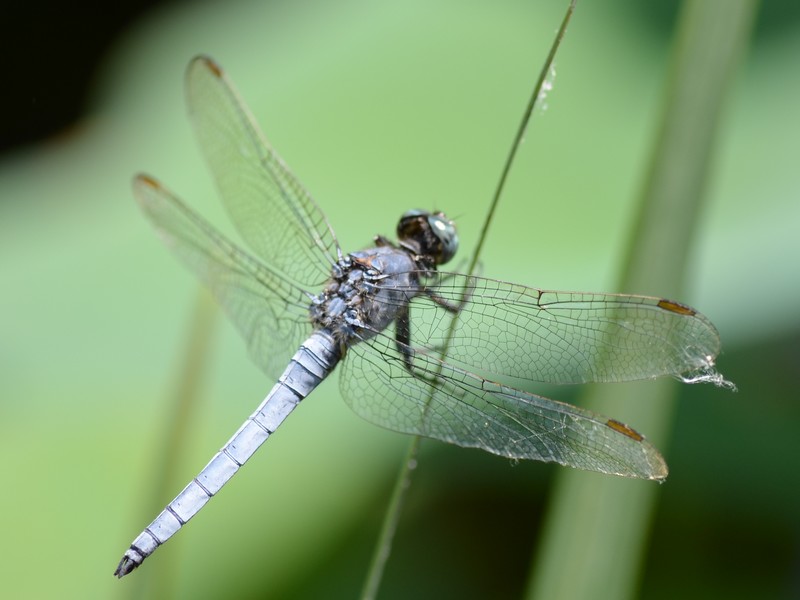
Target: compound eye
[[428, 234], [444, 229]]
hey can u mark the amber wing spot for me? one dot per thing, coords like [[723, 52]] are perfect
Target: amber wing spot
[[148, 181], [625, 430], [213, 67], [676, 307]]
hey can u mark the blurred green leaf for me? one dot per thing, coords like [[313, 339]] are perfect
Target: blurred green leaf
[[594, 539]]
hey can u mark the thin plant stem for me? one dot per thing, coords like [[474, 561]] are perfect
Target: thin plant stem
[[183, 403], [596, 529], [403, 482], [390, 520], [523, 126]]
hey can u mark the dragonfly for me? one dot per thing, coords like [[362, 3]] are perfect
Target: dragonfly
[[422, 351]]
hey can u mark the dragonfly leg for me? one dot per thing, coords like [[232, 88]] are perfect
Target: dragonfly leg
[[402, 338], [448, 306], [403, 343]]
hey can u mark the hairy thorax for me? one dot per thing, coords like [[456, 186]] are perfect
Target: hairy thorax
[[367, 291]]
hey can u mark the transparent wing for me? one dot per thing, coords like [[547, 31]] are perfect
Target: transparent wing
[[514, 333], [272, 211], [270, 312], [466, 410]]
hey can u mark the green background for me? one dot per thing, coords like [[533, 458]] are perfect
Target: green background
[[381, 107]]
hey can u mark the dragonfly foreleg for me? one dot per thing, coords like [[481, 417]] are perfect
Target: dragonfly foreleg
[[449, 305], [445, 304]]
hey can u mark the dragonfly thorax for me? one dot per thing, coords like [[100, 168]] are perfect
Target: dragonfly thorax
[[367, 291]]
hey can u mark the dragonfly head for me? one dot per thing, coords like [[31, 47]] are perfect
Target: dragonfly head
[[427, 234]]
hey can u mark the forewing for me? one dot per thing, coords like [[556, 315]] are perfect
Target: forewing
[[465, 410], [270, 312], [516, 333], [272, 211]]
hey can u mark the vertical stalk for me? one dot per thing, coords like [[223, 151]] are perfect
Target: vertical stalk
[[158, 579], [403, 482], [595, 533]]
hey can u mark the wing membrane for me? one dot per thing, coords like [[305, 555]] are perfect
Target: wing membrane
[[518, 333], [270, 312], [272, 211], [465, 410]]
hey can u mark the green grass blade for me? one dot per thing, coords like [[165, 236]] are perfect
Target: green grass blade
[[182, 406], [594, 536]]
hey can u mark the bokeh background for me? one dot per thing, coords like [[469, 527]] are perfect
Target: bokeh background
[[378, 107]]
